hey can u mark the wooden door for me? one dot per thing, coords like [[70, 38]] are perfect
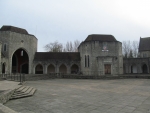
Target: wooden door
[[107, 68]]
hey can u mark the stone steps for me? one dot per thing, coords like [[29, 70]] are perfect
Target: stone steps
[[23, 91]]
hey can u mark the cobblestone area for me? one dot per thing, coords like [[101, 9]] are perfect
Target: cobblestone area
[[86, 96]]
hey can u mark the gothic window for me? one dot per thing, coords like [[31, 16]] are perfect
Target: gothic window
[[88, 61], [5, 47], [85, 61]]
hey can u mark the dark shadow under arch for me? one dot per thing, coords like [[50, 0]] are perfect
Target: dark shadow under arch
[[74, 69], [144, 69], [51, 68], [39, 69], [62, 69], [20, 61]]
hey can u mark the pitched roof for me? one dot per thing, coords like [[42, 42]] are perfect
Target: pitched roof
[[144, 44], [57, 56], [101, 38], [14, 29]]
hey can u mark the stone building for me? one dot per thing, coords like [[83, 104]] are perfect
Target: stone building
[[141, 64], [98, 55]]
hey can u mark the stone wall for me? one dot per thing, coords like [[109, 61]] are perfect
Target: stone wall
[[56, 64], [136, 65], [15, 41], [94, 49]]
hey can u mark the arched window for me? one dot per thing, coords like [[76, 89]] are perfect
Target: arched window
[[5, 47], [88, 61], [85, 61]]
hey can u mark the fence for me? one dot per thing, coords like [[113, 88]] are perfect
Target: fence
[[19, 77]]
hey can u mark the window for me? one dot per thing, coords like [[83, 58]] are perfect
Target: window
[[5, 47], [85, 61], [88, 61]]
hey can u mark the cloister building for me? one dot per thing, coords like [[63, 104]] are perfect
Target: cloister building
[[97, 55]]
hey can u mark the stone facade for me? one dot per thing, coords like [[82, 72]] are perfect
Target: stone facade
[[95, 59], [11, 42], [98, 55]]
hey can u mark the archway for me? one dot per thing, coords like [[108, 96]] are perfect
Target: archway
[[20, 61], [133, 69], [74, 69], [62, 69], [144, 69], [3, 68], [51, 69], [39, 69]]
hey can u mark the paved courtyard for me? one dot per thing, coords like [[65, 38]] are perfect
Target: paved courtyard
[[86, 96]]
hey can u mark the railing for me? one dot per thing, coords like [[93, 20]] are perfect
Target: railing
[[19, 77]]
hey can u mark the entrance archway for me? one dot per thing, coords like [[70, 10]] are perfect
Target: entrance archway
[[39, 69], [20, 62], [51, 69], [144, 69], [62, 69], [3, 68], [74, 69], [133, 69]]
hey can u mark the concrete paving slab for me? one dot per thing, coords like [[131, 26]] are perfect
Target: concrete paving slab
[[86, 96]]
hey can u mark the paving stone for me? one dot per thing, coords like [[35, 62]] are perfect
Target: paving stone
[[86, 96]]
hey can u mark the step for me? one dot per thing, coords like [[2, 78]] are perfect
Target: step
[[20, 88], [22, 93]]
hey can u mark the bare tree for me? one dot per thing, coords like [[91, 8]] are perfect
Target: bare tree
[[72, 47], [54, 47], [126, 48], [130, 49], [76, 45], [69, 47], [135, 47]]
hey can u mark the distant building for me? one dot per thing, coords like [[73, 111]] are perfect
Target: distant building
[[98, 55]]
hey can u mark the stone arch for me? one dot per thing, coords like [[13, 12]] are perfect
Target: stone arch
[[51, 68], [3, 67], [144, 68], [39, 69], [19, 58], [74, 69], [134, 68], [62, 68]]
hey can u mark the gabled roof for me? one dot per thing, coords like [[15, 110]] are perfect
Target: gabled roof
[[101, 38], [144, 44], [14, 29], [40, 56]]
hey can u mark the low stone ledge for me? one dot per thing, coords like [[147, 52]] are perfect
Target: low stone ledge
[[5, 96]]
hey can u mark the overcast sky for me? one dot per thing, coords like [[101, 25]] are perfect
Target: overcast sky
[[68, 20]]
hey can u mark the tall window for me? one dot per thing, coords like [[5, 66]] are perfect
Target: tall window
[[85, 61], [5, 47], [88, 61]]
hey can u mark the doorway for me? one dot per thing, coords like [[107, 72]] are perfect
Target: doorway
[[107, 68]]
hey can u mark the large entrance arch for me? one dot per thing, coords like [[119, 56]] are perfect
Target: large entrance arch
[[144, 69], [20, 62], [74, 69]]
